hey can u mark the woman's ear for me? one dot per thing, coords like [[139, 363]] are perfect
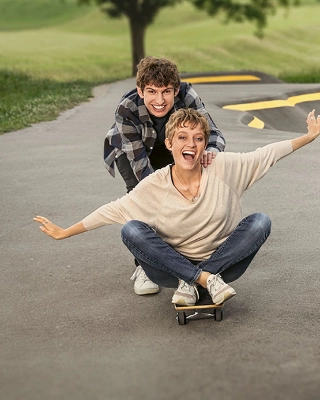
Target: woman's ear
[[168, 144]]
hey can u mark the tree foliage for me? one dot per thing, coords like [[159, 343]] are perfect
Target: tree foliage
[[255, 11], [141, 14]]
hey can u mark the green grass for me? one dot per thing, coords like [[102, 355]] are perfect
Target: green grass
[[24, 99], [31, 14], [52, 51]]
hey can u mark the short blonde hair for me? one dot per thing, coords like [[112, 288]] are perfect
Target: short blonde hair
[[187, 117]]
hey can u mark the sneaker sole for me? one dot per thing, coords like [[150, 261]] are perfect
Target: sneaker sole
[[223, 297], [142, 292], [182, 302]]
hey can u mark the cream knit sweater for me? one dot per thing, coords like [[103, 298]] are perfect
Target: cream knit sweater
[[193, 229]]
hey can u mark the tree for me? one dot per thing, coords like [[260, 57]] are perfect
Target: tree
[[141, 14]]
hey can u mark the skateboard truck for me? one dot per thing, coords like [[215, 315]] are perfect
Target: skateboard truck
[[198, 311]]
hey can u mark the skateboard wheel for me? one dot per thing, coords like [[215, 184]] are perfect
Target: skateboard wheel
[[181, 318], [218, 314]]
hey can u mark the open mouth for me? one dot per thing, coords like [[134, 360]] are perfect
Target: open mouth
[[159, 108], [188, 155]]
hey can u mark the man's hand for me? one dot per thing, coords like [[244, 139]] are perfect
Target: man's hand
[[207, 158]]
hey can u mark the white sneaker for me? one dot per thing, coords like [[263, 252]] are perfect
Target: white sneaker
[[185, 295], [218, 289], [142, 284]]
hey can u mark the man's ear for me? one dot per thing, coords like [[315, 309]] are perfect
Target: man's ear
[[168, 144], [140, 92], [176, 91]]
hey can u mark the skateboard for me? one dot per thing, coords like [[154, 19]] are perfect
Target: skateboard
[[203, 309]]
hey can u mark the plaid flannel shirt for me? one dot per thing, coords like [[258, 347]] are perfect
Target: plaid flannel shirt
[[133, 131]]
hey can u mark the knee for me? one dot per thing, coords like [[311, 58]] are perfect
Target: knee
[[130, 229], [133, 231], [262, 223]]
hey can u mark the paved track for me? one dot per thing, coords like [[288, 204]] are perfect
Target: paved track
[[71, 326]]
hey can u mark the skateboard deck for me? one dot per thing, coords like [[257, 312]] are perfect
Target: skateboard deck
[[204, 308]]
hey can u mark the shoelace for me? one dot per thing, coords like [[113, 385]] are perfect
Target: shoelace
[[139, 271], [185, 287], [188, 288], [217, 281]]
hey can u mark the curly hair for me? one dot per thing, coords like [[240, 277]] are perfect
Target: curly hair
[[187, 117], [159, 72]]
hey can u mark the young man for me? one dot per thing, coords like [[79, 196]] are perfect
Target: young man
[[136, 140]]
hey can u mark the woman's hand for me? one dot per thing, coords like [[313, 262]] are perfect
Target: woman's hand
[[313, 124], [56, 232], [207, 158], [49, 228]]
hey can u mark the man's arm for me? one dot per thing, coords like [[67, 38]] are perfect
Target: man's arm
[[134, 148], [136, 136]]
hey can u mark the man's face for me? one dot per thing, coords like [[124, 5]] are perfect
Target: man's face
[[158, 100]]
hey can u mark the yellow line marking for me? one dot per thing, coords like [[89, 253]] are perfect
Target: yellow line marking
[[226, 78], [256, 123], [263, 105]]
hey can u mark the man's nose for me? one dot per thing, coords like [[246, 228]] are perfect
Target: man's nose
[[159, 97]]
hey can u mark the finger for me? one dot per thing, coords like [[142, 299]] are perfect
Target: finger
[[311, 114], [311, 118], [209, 158], [204, 160], [41, 220]]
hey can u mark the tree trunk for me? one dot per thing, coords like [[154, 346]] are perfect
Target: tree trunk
[[137, 34]]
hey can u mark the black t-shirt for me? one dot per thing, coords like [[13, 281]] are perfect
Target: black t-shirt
[[160, 156]]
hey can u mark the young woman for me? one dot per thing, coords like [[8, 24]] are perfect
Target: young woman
[[184, 223]]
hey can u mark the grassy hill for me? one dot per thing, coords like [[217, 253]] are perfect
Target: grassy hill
[[63, 50], [31, 14]]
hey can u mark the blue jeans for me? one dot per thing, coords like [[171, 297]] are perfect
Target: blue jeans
[[165, 266]]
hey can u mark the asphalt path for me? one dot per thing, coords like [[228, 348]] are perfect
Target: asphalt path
[[71, 326]]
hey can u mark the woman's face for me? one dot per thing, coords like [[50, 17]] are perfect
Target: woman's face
[[187, 146]]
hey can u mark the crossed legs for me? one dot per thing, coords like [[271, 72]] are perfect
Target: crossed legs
[[165, 266]]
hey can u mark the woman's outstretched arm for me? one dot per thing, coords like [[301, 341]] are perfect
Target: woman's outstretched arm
[[56, 232]]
